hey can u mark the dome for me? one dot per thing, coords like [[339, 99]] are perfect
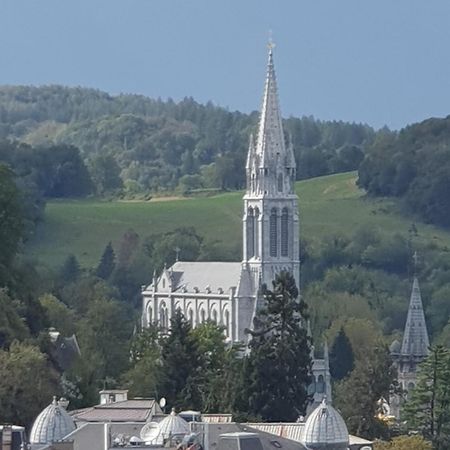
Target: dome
[[395, 347], [53, 424], [173, 425], [325, 429]]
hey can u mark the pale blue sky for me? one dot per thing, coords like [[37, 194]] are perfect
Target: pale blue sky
[[380, 61]]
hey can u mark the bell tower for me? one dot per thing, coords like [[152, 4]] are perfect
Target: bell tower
[[271, 219]]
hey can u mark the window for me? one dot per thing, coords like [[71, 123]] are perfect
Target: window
[[285, 232], [202, 315], [280, 182], [150, 314], [250, 233], [320, 385], [214, 316], [191, 317], [273, 232]]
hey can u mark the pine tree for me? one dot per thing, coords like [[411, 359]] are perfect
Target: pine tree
[[341, 356], [70, 270], [427, 409], [279, 363], [107, 262], [180, 362]]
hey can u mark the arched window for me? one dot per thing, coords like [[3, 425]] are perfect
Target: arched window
[[214, 316], [273, 232], [253, 185], [320, 385], [280, 182], [150, 314], [250, 233], [191, 317], [162, 317], [256, 233], [285, 232], [202, 316]]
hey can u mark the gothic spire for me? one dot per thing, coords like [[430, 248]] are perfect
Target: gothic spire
[[415, 337], [270, 162]]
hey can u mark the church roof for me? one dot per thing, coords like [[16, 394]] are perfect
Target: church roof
[[415, 337], [325, 428], [205, 276], [53, 424]]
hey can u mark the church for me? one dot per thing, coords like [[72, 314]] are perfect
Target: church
[[227, 292]]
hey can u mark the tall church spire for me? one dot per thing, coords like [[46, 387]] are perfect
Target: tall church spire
[[273, 168], [270, 223], [415, 337]]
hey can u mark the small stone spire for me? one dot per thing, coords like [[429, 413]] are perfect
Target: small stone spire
[[415, 337]]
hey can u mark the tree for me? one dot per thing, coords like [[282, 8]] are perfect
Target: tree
[[105, 173], [144, 377], [279, 363], [404, 443], [59, 316], [219, 368], [180, 360], [427, 409], [27, 384], [70, 270], [107, 262], [11, 222], [357, 395], [11, 324], [341, 356]]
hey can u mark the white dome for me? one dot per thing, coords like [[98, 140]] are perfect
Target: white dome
[[53, 424], [173, 425], [325, 429]]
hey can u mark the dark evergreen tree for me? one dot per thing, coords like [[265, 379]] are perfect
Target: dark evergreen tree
[[70, 270], [107, 263], [180, 361], [341, 356], [428, 407], [279, 363]]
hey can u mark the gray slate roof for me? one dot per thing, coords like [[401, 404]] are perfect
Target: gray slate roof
[[215, 275], [415, 337]]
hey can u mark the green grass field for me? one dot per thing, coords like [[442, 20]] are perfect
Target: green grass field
[[328, 205]]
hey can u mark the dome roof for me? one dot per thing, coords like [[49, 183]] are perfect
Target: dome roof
[[51, 425], [173, 425], [325, 428]]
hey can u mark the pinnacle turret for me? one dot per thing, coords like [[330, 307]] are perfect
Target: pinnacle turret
[[415, 337]]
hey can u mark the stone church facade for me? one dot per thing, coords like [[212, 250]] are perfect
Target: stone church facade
[[227, 292]]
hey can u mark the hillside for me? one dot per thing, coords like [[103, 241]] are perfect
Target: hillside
[[328, 205], [162, 145]]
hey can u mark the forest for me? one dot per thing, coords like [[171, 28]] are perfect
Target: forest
[[132, 145]]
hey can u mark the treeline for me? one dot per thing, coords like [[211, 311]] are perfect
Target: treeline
[[156, 145], [413, 165]]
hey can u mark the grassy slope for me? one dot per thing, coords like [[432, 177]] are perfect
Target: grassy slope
[[328, 205]]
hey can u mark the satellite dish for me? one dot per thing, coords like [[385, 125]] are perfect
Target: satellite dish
[[150, 432], [162, 402]]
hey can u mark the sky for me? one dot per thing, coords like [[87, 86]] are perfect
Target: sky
[[380, 62]]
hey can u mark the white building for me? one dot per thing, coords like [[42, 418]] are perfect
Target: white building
[[227, 292]]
